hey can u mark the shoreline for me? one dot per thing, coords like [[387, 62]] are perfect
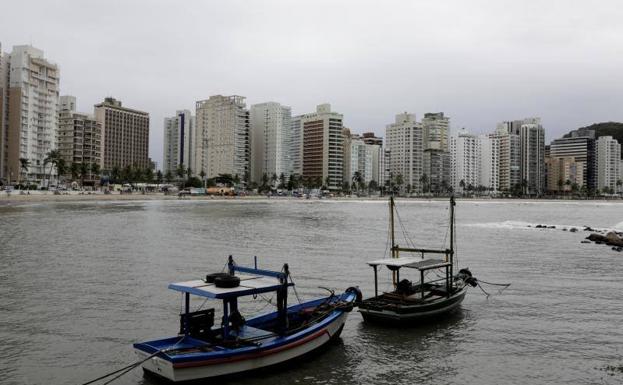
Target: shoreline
[[43, 197]]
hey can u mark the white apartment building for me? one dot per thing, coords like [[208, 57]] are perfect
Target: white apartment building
[[4, 112], [608, 162], [509, 171], [223, 145], [465, 163], [270, 140], [490, 162], [32, 112], [360, 157], [532, 139], [404, 146], [435, 129], [323, 154], [179, 142]]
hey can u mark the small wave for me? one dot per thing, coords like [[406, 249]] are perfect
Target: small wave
[[618, 226], [532, 226]]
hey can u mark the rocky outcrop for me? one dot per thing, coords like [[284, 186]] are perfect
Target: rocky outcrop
[[611, 239]]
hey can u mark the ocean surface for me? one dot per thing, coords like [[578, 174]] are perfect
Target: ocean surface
[[80, 282]]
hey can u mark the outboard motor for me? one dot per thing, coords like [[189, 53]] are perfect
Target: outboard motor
[[404, 287], [466, 276]]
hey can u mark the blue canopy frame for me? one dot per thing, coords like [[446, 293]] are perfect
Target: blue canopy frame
[[230, 295]]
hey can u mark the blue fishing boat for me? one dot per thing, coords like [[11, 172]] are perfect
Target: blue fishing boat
[[204, 350]]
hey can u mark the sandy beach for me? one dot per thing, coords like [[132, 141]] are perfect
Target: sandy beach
[[76, 196]]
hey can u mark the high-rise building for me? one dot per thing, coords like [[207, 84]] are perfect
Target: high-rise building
[[4, 112], [223, 143], [465, 155], [579, 150], [532, 139], [490, 162], [435, 127], [608, 162], [296, 146], [404, 151], [125, 135], [361, 158], [564, 172], [510, 154], [79, 137], [323, 154], [32, 113], [270, 140], [371, 139], [179, 142], [437, 168]]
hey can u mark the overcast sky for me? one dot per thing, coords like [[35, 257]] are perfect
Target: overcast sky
[[480, 62]]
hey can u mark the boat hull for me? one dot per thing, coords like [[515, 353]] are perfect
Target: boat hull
[[411, 314], [187, 371]]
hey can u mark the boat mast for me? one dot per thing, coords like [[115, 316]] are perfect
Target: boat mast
[[391, 221], [452, 203]]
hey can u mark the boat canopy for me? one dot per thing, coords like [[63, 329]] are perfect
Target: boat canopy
[[249, 285], [412, 262]]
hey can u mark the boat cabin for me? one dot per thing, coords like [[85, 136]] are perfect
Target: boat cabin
[[248, 281]]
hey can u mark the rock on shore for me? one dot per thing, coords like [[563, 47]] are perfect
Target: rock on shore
[[610, 239]]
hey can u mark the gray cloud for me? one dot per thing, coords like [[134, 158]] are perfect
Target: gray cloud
[[480, 61]]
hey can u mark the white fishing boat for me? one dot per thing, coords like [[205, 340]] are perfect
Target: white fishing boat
[[412, 303]]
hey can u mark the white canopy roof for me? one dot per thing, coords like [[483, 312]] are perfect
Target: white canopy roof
[[413, 262], [397, 262], [249, 284]]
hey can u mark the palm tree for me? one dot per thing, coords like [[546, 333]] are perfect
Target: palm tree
[[115, 174], [282, 180], [273, 179], [619, 183], [61, 169], [264, 182], [95, 170], [560, 183], [424, 182], [462, 186], [52, 157], [168, 177], [357, 178], [568, 184], [159, 176], [399, 181], [180, 171], [83, 169], [75, 170], [24, 164]]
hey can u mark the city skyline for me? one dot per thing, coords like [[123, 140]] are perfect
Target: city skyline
[[479, 67]]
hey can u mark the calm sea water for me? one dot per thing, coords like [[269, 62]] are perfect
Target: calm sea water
[[80, 282]]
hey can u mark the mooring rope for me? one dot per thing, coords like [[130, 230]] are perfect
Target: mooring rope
[[128, 368]]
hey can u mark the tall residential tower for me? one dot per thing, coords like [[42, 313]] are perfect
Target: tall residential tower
[[125, 135], [32, 113], [179, 142], [270, 140], [223, 145]]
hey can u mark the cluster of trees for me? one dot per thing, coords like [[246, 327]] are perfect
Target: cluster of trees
[[292, 182], [576, 189]]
